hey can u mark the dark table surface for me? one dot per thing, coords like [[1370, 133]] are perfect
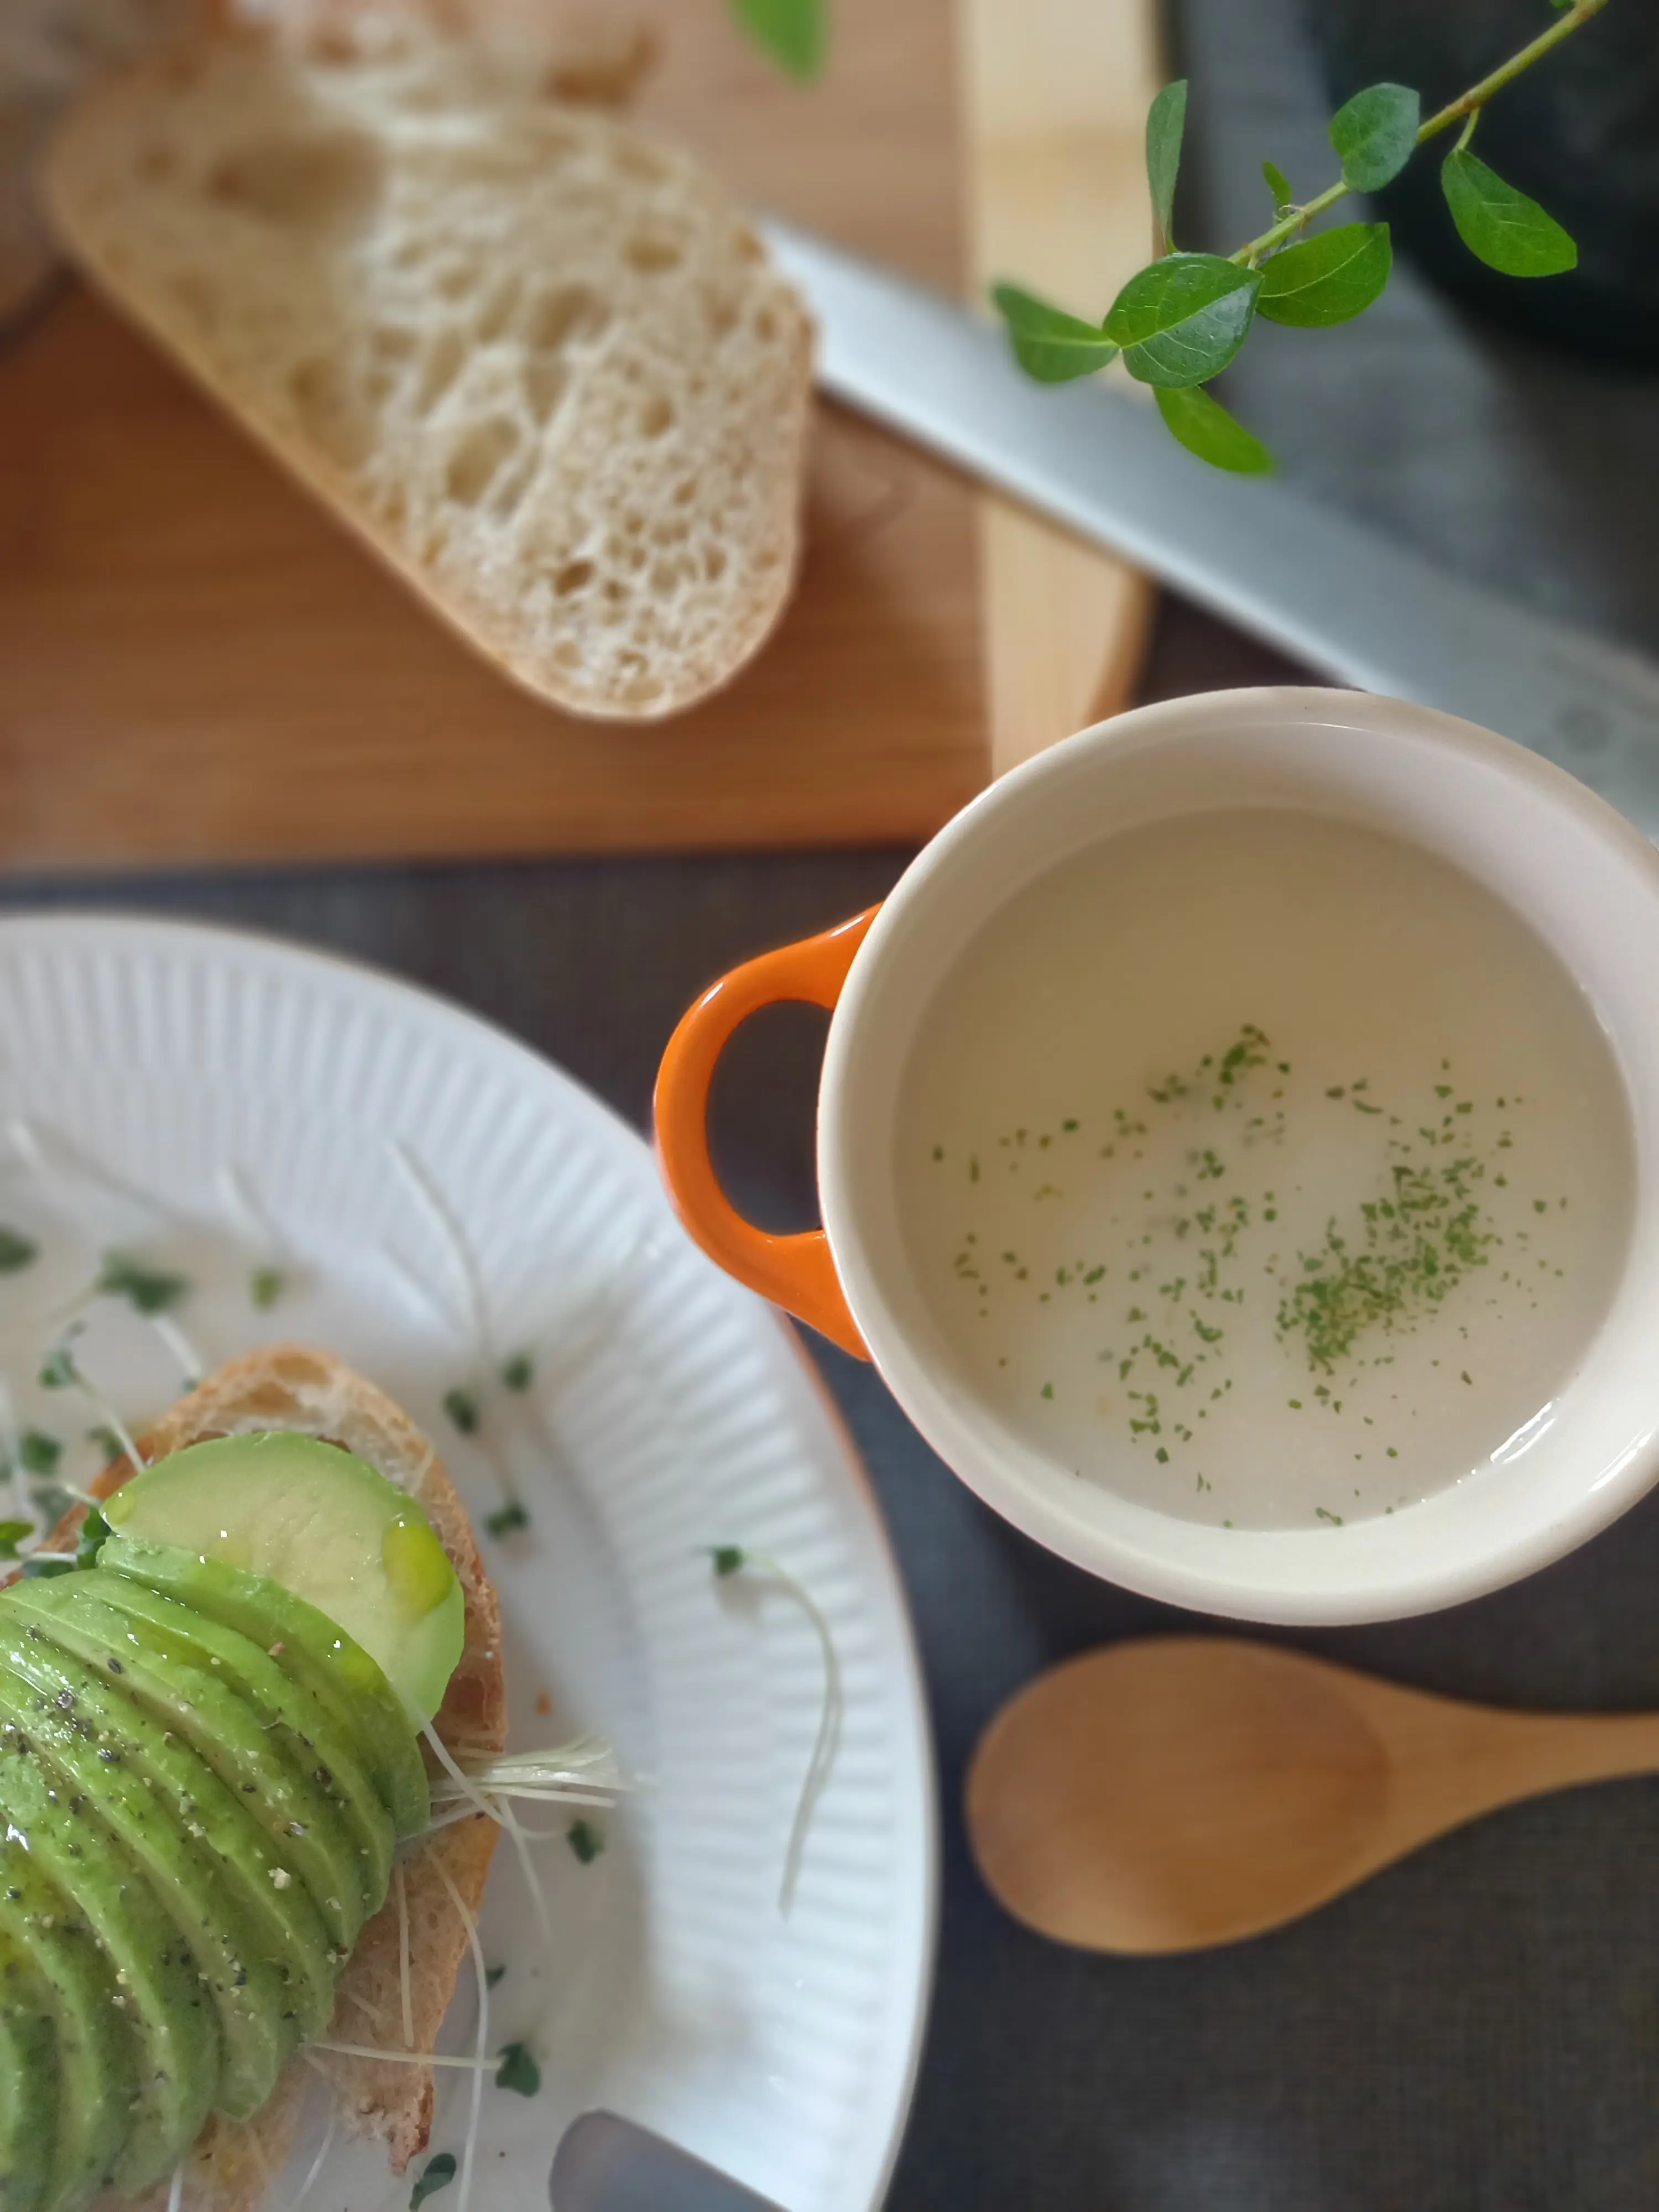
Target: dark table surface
[[1478, 2029]]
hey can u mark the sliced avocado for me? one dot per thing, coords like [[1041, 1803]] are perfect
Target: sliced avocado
[[94, 2052], [304, 1823], [288, 1716], [28, 2086], [324, 1524], [307, 1646], [251, 1978], [117, 1936]]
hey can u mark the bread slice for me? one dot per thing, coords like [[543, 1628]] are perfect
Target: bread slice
[[539, 361], [292, 1387]]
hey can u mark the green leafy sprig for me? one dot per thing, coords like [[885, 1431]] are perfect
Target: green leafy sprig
[[1179, 321], [794, 34]]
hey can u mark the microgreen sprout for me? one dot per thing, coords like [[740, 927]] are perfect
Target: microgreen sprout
[[585, 1839], [16, 1251], [506, 1518], [730, 1559], [519, 1372], [462, 1407], [149, 1290], [518, 2070], [265, 1286], [11, 1534], [437, 2174], [1179, 321]]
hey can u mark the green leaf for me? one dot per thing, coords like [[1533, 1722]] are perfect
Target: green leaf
[[1205, 428], [1048, 344], [16, 1251], [37, 1569], [492, 1975], [1280, 185], [585, 1839], [150, 1290], [1182, 320], [794, 34], [265, 1286], [58, 1369], [94, 1533], [1166, 122], [11, 1531], [438, 2174], [1374, 135], [39, 1452], [505, 1518], [1329, 279], [462, 1408], [1501, 226], [519, 1372], [518, 2069], [728, 1559]]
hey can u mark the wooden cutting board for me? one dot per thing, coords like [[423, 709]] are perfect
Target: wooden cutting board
[[196, 664]]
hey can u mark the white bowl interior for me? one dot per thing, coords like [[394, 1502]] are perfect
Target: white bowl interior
[[1587, 883]]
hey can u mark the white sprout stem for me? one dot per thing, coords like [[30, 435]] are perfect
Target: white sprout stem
[[402, 2057], [402, 1957], [314, 2171], [828, 1740], [480, 2047], [176, 2193], [11, 1443], [433, 1204], [171, 1336], [502, 1814], [113, 1421]]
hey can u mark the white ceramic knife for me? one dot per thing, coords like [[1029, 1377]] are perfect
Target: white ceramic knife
[[1323, 588]]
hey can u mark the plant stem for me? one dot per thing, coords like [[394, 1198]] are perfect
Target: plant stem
[[1468, 103]]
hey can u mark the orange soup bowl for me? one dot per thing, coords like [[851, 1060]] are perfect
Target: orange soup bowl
[[1586, 886]]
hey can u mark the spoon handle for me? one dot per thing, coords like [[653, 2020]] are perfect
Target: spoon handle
[[1452, 1762]]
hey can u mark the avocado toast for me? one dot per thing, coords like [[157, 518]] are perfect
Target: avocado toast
[[213, 1774]]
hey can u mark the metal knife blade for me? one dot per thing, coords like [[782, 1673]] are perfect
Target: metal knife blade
[[607, 2164], [1307, 579]]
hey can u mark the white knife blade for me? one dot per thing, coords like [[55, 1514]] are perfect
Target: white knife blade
[[1308, 579]]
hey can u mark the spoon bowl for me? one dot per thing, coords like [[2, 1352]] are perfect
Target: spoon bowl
[[1173, 1792]]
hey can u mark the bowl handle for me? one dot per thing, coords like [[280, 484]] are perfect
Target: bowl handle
[[796, 1272]]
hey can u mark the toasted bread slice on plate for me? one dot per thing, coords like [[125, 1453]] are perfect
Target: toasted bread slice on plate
[[292, 1387]]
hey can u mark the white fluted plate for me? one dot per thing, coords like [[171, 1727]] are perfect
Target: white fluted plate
[[670, 1412]]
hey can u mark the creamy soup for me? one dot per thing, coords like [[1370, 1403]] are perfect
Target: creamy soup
[[1264, 1169]]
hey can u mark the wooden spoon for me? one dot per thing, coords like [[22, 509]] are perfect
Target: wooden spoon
[[1177, 1792]]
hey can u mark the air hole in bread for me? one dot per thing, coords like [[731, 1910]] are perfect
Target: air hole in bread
[[575, 576], [158, 165], [498, 310], [722, 317], [457, 281], [443, 365], [328, 410], [657, 417], [572, 311], [713, 562], [545, 383], [652, 257], [766, 325], [475, 461], [303, 183], [635, 160]]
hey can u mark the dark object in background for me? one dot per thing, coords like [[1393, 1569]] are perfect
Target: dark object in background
[[1579, 132]]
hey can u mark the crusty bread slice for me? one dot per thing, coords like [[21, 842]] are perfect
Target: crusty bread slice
[[292, 1387], [539, 361]]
